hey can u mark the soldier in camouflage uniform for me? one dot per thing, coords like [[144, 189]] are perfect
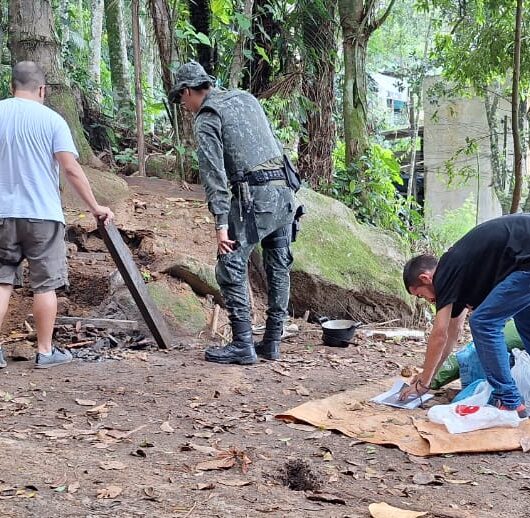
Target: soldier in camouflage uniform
[[241, 168]]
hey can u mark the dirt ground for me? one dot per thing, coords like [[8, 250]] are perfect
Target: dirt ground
[[164, 434], [165, 413]]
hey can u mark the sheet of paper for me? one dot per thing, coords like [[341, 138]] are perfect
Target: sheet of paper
[[391, 397]]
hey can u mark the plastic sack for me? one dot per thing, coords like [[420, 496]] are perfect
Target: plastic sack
[[468, 391], [470, 366], [521, 373], [472, 413], [449, 371]]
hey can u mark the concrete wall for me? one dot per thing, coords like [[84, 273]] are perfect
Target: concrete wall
[[447, 124]]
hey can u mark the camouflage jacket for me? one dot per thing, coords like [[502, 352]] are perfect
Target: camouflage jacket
[[233, 135]]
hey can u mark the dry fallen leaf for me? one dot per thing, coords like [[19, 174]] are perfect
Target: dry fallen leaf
[[100, 411], [423, 479], [110, 492], [56, 434], [326, 497], [166, 427], [234, 482], [220, 463], [383, 510], [303, 427], [205, 485], [301, 390], [73, 487], [209, 450], [112, 464], [85, 402], [26, 401]]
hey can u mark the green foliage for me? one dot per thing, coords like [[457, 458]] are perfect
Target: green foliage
[[454, 224], [475, 40], [369, 187], [287, 116], [125, 156]]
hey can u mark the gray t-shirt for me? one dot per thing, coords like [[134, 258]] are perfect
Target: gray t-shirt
[[30, 135]]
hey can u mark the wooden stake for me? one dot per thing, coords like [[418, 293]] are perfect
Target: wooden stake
[[215, 321]]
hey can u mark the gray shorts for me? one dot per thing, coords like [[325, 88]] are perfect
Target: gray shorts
[[39, 241]]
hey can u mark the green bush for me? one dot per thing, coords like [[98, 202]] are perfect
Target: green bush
[[369, 187], [454, 224]]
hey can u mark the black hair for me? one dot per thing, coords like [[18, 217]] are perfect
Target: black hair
[[27, 76], [415, 267]]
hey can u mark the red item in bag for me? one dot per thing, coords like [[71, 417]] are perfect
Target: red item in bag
[[466, 409]]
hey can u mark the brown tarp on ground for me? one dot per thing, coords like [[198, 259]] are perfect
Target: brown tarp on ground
[[492, 439], [351, 414]]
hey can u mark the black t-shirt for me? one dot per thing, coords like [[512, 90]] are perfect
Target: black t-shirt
[[483, 258]]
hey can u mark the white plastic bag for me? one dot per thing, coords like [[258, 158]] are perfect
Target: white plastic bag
[[473, 413], [521, 373]]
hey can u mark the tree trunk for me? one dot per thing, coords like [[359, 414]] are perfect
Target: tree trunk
[[162, 24], [148, 63], [517, 152], [200, 18], [32, 38], [181, 120], [139, 105], [354, 41], [358, 21], [119, 63], [238, 61], [316, 147], [265, 29], [94, 62]]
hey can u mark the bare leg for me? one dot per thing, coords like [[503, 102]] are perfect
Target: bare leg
[[44, 311], [5, 294]]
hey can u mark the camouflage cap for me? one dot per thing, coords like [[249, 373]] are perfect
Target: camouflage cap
[[187, 76]]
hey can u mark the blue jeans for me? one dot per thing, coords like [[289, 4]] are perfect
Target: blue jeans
[[510, 298]]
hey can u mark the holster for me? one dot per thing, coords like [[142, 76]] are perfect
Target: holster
[[241, 190], [300, 211]]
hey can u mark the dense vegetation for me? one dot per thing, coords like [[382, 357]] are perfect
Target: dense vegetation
[[312, 63]]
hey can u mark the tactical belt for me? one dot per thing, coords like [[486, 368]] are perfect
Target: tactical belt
[[264, 175]]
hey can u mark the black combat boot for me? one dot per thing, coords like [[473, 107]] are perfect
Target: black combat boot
[[269, 347], [239, 350]]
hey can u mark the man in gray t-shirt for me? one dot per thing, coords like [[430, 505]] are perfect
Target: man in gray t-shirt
[[34, 142]]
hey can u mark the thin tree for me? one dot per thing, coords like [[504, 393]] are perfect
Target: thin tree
[[96, 32], [200, 19], [238, 60], [359, 19], [138, 86], [516, 132], [118, 60], [319, 55]]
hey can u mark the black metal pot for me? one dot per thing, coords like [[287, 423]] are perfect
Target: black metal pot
[[338, 333]]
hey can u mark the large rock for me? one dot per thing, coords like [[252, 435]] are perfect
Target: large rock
[[345, 269], [200, 276], [108, 188]]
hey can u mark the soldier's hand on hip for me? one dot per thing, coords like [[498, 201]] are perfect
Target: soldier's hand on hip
[[224, 245]]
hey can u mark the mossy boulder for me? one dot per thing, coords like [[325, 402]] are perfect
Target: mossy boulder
[[200, 276], [162, 166], [108, 188], [345, 269], [179, 305]]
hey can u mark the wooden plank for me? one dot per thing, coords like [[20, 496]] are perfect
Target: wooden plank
[[133, 279], [99, 323], [392, 332]]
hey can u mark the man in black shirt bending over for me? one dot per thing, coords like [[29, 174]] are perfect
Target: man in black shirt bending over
[[488, 272]]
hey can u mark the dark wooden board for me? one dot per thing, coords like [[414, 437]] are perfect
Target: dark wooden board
[[133, 279]]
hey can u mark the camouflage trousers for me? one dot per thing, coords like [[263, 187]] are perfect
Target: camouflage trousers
[[274, 212]]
